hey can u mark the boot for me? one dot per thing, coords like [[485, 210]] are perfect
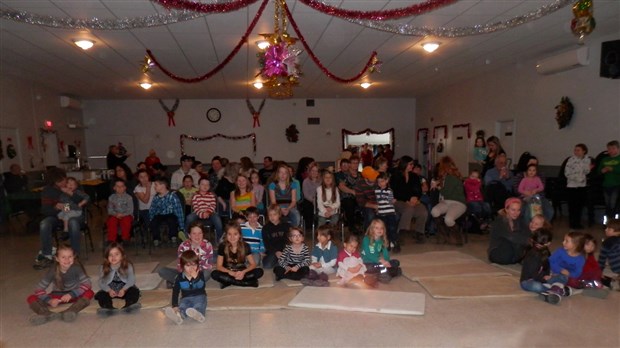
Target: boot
[[454, 235], [70, 313], [442, 235], [395, 271], [43, 314], [227, 280]]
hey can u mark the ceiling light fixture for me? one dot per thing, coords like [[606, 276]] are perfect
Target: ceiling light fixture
[[258, 85], [365, 85], [146, 85], [430, 46], [262, 44], [84, 43]]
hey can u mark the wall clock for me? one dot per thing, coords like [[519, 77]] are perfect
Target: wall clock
[[214, 115]]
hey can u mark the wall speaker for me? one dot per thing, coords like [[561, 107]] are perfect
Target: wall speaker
[[610, 59]]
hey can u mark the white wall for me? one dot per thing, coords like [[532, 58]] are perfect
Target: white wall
[[521, 94], [142, 125], [24, 107]]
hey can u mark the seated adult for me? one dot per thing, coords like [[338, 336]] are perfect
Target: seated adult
[[498, 183], [508, 235], [166, 209], [50, 207], [115, 157], [15, 180], [452, 205], [204, 204], [176, 182], [123, 172], [267, 171], [407, 187]]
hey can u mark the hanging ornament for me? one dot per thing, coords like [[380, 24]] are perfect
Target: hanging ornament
[[583, 23], [255, 114], [170, 112], [292, 134], [564, 112], [11, 152]]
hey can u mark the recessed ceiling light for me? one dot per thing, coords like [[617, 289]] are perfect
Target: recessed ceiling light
[[258, 85], [84, 44], [430, 46], [263, 44], [365, 85], [146, 85]]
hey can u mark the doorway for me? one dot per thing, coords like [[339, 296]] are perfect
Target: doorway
[[506, 132]]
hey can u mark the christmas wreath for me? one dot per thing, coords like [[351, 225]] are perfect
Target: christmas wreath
[[292, 134]]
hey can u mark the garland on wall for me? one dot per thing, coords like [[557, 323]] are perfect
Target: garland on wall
[[368, 131], [445, 131], [467, 125], [182, 138]]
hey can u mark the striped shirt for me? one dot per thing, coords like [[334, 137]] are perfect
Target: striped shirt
[[385, 199], [254, 237], [74, 281], [203, 204], [243, 201], [291, 258], [610, 252]]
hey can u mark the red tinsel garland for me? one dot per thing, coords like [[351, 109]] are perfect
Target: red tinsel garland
[[205, 8], [468, 125], [182, 138], [346, 132], [318, 62], [445, 131], [413, 10], [220, 66]]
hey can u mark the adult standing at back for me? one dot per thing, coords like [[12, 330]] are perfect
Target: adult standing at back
[[495, 149], [610, 168], [115, 157], [176, 182], [407, 187], [576, 171]]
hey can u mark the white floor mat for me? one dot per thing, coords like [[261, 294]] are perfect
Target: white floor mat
[[372, 301]]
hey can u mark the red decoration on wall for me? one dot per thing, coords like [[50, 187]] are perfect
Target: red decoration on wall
[[205, 8], [445, 131], [413, 10], [420, 131], [226, 60], [30, 143], [218, 135], [255, 114], [468, 125], [372, 63]]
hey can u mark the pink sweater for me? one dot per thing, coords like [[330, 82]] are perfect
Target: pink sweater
[[472, 190], [528, 184]]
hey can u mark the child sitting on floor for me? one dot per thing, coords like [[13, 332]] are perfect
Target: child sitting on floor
[[117, 280], [235, 264], [535, 270], [351, 268], [610, 252], [251, 231], [274, 236], [190, 284], [295, 259], [323, 258], [70, 284], [591, 276], [567, 262], [375, 253]]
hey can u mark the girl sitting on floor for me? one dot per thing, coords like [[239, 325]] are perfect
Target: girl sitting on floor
[[351, 267], [535, 270], [323, 258], [591, 276], [70, 284], [375, 254], [117, 280], [235, 264], [567, 262], [295, 259]]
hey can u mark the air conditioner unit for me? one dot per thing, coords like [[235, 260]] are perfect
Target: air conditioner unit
[[563, 61], [70, 103]]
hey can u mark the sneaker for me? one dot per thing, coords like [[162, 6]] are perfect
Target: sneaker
[[182, 236], [194, 314], [44, 263], [156, 243], [173, 315], [550, 297], [134, 307], [568, 291]]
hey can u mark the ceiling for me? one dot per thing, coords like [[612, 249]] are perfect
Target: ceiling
[[111, 69]]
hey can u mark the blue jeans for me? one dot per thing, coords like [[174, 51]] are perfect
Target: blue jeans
[[390, 222], [270, 261], [199, 303], [611, 200], [46, 227], [558, 278], [293, 217], [214, 220], [369, 215], [533, 286]]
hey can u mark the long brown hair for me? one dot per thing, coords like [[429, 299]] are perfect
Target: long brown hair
[[324, 188], [240, 245], [124, 261], [448, 167]]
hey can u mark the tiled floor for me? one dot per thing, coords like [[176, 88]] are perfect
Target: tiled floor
[[490, 322]]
